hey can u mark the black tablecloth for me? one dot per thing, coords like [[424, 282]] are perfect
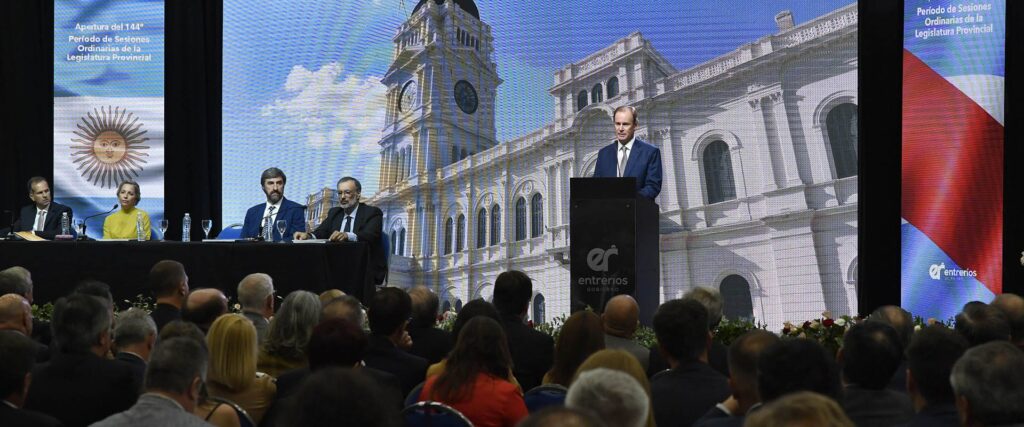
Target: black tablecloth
[[57, 266]]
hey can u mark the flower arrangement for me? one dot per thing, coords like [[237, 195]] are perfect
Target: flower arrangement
[[728, 329], [826, 330]]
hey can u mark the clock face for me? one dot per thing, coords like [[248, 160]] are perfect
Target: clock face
[[407, 101], [465, 97]]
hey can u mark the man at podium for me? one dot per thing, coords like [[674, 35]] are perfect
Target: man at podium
[[628, 156]]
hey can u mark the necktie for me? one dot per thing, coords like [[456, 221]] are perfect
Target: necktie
[[622, 160], [347, 226], [267, 230], [40, 220]]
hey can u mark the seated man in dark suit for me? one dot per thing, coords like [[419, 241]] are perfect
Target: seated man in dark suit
[[203, 306], [134, 338], [428, 342], [43, 216], [931, 355], [532, 351], [79, 386], [18, 280], [256, 296], [16, 316], [1013, 307], [903, 323], [169, 283], [743, 355], [980, 323], [870, 354], [17, 353], [686, 391], [388, 313], [988, 382], [620, 320], [261, 220], [711, 299], [353, 221]]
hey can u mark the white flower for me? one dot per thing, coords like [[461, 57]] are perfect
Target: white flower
[[917, 328], [841, 322]]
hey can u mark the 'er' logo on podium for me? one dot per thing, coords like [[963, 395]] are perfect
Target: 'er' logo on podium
[[597, 258]]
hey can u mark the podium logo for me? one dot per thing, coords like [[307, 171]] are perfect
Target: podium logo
[[935, 271], [597, 258], [939, 271]]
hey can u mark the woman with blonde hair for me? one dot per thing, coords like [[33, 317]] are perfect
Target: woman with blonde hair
[[232, 373], [121, 224], [624, 361]]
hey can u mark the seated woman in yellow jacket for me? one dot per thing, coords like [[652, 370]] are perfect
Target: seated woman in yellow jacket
[[121, 224]]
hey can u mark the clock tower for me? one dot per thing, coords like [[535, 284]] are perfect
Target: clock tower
[[441, 89]]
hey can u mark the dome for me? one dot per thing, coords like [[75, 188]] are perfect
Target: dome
[[467, 5]]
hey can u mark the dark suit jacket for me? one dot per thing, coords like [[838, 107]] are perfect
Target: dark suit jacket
[[163, 314], [368, 226], [682, 395], [259, 322], [936, 416], [51, 226], [290, 382], [291, 212], [532, 352], [430, 343], [80, 389], [644, 164], [876, 407], [10, 417], [136, 363], [383, 355]]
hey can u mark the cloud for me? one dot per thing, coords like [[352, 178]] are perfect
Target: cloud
[[331, 110]]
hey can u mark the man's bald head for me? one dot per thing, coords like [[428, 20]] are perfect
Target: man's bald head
[[424, 306], [15, 314], [1013, 306], [203, 306], [898, 318], [621, 316], [345, 307]]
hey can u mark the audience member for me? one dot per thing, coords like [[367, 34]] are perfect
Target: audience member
[[215, 413], [18, 280], [169, 283], [203, 306], [428, 342], [930, 358], [870, 354], [980, 323], [389, 313], [256, 296], [181, 328], [988, 382], [1013, 307], [622, 361], [333, 396], [345, 307], [691, 387], [97, 289], [134, 338], [284, 348], [532, 351], [793, 365], [473, 382], [330, 294], [711, 299], [232, 371], [474, 308], [620, 319], [16, 315], [17, 353], [743, 355], [901, 321], [581, 336], [175, 374], [79, 386], [614, 396], [561, 416], [801, 409]]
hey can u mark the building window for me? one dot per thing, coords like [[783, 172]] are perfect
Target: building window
[[481, 228], [460, 234], [596, 94], [401, 242], [581, 100], [446, 307], [458, 305], [538, 309], [394, 242], [718, 172], [520, 219], [448, 236], [463, 154], [495, 225], [536, 215], [736, 301], [455, 154], [613, 87], [841, 122], [408, 162]]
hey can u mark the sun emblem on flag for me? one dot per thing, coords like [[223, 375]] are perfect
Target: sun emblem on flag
[[108, 149]]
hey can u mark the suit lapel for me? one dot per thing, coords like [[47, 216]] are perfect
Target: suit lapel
[[633, 154]]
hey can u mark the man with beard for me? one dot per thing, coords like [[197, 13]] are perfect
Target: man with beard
[[353, 221], [261, 220]]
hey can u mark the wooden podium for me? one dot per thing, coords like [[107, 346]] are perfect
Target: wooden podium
[[614, 245]]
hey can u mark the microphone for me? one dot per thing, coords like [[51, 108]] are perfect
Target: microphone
[[86, 220]]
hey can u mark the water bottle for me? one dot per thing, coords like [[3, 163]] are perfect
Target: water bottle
[[138, 227], [65, 224], [186, 228]]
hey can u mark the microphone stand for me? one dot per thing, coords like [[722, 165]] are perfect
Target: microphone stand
[[85, 222]]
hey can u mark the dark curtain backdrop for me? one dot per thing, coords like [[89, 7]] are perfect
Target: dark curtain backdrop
[[193, 85]]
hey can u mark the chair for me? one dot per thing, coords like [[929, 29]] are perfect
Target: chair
[[414, 395], [543, 396], [433, 414], [244, 420], [231, 232]]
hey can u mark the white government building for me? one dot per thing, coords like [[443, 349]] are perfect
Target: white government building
[[759, 149]]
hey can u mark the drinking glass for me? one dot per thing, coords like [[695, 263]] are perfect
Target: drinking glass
[[80, 228], [281, 226], [164, 224], [207, 225]]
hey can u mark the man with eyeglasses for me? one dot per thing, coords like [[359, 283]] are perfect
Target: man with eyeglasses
[[353, 221]]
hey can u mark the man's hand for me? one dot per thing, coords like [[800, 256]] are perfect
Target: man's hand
[[338, 236], [300, 236], [406, 343]]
